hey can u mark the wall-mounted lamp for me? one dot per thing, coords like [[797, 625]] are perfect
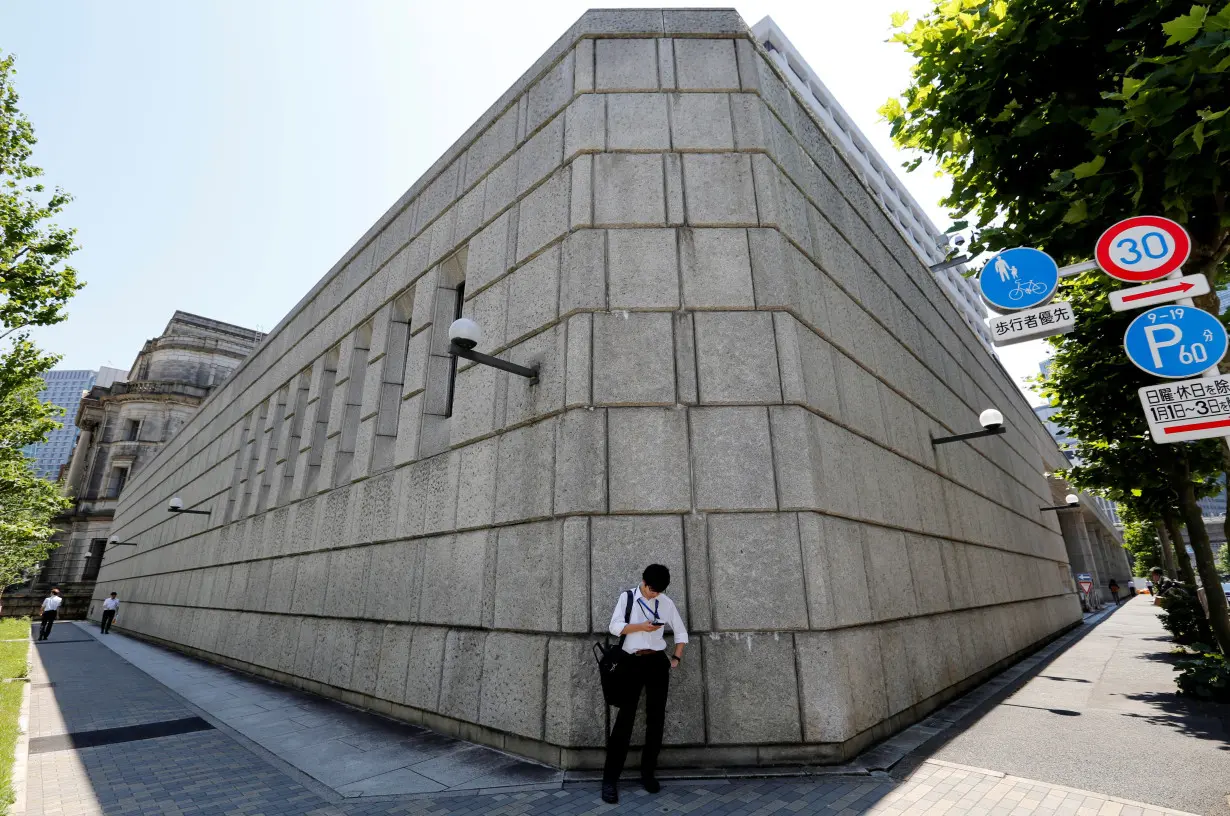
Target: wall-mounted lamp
[[177, 506], [1072, 500], [992, 423], [114, 541], [464, 334]]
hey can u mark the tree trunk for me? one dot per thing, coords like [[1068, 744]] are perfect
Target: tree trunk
[[1186, 574], [1219, 617], [1168, 564]]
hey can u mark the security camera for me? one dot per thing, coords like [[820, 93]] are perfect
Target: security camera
[[465, 333], [959, 240], [176, 505], [1072, 499], [114, 540], [991, 419]]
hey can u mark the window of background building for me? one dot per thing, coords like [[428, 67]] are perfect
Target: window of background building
[[131, 428]]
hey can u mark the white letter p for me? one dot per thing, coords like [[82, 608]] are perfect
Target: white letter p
[[1154, 345]]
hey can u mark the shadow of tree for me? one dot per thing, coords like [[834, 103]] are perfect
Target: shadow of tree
[[1192, 718]]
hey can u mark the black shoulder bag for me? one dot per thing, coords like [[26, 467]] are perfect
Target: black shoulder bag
[[608, 658]]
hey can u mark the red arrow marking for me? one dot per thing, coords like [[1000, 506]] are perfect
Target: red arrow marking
[[1165, 290], [1198, 426]]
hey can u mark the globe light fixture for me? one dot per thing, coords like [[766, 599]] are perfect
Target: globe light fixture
[[464, 334], [991, 420]]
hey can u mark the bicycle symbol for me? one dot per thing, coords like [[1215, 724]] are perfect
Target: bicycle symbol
[[1024, 288]]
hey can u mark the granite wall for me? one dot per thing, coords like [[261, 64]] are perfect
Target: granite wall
[[741, 364]]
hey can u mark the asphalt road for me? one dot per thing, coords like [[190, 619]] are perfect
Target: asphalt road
[[1104, 716]]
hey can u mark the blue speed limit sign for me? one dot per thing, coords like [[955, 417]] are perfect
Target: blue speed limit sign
[[1175, 341]]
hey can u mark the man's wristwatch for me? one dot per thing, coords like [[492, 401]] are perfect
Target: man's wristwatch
[[676, 657]]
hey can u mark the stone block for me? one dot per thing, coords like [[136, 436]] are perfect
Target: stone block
[[583, 272], [423, 672], [927, 569], [925, 649], [543, 215], [643, 271], [732, 461], [576, 712], [281, 584], [524, 488], [501, 188], [685, 359], [539, 157], [396, 566], [622, 546], [717, 269], [719, 189], [751, 129], [633, 359], [583, 73], [581, 205], [806, 363], [461, 676], [489, 309], [476, 484], [533, 295], [701, 122], [349, 582], [649, 467], [441, 498], [394, 659], [691, 22], [527, 586], [756, 556], [526, 400], [366, 670], [834, 562], [737, 358], [859, 394], [514, 683], [629, 190], [666, 64], [549, 94], [706, 65], [377, 498], [626, 65], [487, 256], [888, 574], [700, 601], [312, 577], [747, 704], [581, 466], [898, 672], [637, 122], [579, 371], [574, 575], [453, 570], [824, 686], [411, 500]]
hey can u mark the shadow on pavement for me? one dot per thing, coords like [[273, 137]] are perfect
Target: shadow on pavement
[[1192, 718]]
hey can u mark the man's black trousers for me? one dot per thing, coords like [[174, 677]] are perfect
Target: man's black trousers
[[49, 619], [108, 616], [652, 673]]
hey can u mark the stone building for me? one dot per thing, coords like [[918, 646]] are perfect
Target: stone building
[[741, 364], [122, 427]]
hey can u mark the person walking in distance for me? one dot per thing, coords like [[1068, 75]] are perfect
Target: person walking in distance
[[110, 607], [1113, 586], [645, 665], [51, 605]]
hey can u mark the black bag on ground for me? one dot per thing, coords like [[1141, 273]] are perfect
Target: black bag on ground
[[608, 658]]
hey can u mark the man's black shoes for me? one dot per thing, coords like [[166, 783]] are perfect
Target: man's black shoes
[[650, 784], [610, 793]]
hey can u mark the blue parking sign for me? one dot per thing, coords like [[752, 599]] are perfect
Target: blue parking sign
[[1175, 341], [1019, 278]]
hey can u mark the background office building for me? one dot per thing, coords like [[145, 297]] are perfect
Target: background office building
[[65, 389]]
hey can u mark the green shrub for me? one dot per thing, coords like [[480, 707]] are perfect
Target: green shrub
[[1206, 676], [1183, 617]]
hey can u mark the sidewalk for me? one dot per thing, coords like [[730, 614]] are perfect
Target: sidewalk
[[179, 736]]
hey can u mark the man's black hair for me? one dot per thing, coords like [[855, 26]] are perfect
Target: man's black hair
[[1158, 570], [656, 577], [112, 593]]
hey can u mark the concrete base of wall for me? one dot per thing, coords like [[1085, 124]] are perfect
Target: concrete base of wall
[[680, 756], [28, 601]]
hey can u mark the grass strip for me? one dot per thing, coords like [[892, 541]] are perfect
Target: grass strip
[[14, 662], [13, 628]]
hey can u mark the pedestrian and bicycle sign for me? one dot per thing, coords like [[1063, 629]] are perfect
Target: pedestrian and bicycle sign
[[1187, 410], [1165, 291], [1175, 341], [1019, 278], [1044, 321], [1143, 248]]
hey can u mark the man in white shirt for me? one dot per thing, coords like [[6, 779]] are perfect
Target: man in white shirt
[[110, 607], [50, 604], [645, 665]]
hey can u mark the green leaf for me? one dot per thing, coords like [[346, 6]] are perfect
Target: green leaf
[[1130, 86], [1207, 114], [1198, 135], [1089, 168], [899, 18], [1106, 120], [1186, 26], [1076, 213]]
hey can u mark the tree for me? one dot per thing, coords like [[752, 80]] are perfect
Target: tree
[[35, 285], [1055, 119], [1223, 559], [1141, 540]]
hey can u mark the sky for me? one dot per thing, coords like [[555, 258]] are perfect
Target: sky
[[224, 155]]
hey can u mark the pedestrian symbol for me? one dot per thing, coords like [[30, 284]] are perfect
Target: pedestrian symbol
[[1019, 278]]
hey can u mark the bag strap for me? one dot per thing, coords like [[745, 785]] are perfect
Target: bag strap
[[627, 617]]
